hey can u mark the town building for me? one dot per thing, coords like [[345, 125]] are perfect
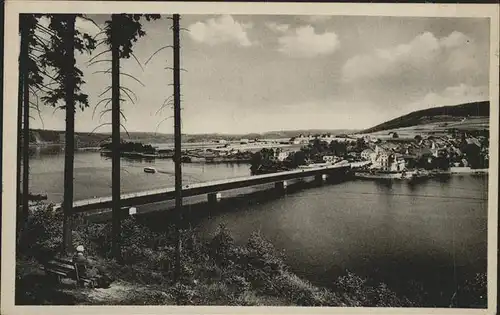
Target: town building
[[301, 139], [283, 155], [398, 163], [368, 155], [328, 158]]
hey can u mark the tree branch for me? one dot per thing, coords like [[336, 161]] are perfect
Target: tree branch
[[101, 125], [158, 125], [99, 103], [105, 91], [131, 76], [99, 54], [126, 90], [97, 61], [157, 51], [137, 61]]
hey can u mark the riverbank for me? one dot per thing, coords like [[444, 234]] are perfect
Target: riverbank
[[215, 271]]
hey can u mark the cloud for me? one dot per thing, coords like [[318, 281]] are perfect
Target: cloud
[[453, 95], [318, 18], [223, 29], [86, 26], [82, 25], [276, 27], [304, 42], [424, 55]]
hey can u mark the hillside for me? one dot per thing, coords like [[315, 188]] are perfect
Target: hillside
[[436, 114], [89, 140]]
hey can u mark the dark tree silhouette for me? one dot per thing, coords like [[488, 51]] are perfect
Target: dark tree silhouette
[[60, 57], [31, 75], [121, 32], [26, 30]]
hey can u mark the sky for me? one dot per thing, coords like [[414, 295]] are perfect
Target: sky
[[251, 73]]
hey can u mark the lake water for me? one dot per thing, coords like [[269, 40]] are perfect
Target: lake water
[[433, 232]]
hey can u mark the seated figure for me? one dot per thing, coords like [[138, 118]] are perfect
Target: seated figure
[[87, 269]]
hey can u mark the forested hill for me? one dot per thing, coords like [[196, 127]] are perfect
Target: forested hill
[[481, 109]]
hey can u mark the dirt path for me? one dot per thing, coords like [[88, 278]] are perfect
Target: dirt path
[[120, 293]]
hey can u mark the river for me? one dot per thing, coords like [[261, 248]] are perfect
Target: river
[[432, 232]]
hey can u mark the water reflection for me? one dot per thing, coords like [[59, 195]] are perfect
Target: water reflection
[[429, 233], [385, 231]]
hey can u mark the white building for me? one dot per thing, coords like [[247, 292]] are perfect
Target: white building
[[398, 164], [344, 139], [328, 158], [301, 139], [368, 155], [283, 156]]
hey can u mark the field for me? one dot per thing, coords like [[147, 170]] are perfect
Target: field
[[438, 126]]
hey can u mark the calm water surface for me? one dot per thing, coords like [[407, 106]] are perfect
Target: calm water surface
[[433, 232]]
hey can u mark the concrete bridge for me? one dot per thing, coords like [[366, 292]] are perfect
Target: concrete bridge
[[212, 188]]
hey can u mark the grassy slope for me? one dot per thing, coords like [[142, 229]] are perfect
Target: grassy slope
[[445, 114]]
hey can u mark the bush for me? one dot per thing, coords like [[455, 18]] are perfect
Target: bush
[[356, 290], [261, 255], [221, 246], [42, 235], [474, 292], [183, 294], [230, 274]]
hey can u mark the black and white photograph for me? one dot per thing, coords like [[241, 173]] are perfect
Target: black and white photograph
[[329, 158]]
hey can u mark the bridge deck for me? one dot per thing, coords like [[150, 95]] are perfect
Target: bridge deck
[[156, 195]]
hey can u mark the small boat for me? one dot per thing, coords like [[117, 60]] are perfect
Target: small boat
[[149, 169]]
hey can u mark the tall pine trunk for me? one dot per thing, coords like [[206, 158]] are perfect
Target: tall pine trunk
[[177, 146], [115, 137], [21, 163], [19, 140], [26, 119], [69, 36], [19, 214]]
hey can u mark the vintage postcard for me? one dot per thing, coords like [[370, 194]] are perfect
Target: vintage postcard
[[249, 158]]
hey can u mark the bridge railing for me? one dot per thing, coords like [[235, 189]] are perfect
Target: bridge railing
[[202, 187]]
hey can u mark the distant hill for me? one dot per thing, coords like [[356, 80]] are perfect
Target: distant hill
[[481, 109], [86, 139]]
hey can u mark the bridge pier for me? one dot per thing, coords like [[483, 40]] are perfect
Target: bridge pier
[[132, 211], [214, 198], [321, 178], [281, 186], [213, 201]]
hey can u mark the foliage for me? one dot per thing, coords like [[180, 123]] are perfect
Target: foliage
[[351, 285], [132, 147], [414, 118], [130, 31], [27, 26], [216, 271], [55, 57], [43, 234], [473, 293]]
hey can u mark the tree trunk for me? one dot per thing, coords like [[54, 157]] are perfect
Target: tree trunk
[[69, 148], [21, 167], [19, 141], [177, 144], [115, 122], [26, 119]]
